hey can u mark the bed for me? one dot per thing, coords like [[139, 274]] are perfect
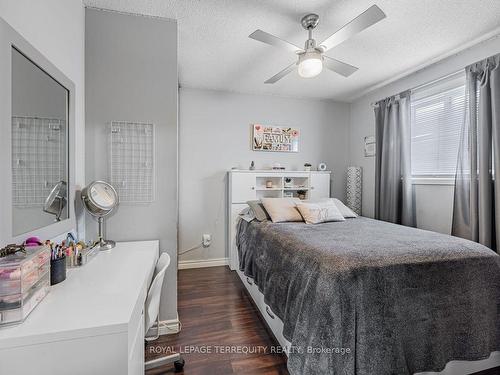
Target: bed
[[364, 296]]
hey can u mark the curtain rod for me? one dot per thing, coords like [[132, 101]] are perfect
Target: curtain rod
[[397, 96], [461, 71]]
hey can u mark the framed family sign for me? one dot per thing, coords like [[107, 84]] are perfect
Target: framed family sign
[[275, 138]]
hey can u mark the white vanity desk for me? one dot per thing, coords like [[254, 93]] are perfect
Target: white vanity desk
[[91, 323]]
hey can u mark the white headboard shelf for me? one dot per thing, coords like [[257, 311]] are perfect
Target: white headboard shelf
[[246, 185]]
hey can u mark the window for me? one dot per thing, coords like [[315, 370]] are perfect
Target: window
[[437, 115]]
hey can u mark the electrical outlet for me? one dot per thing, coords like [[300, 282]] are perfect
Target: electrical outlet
[[206, 240]]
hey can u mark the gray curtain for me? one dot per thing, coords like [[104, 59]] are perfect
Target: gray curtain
[[394, 198], [476, 208]]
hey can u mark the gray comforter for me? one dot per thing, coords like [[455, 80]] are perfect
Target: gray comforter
[[369, 297]]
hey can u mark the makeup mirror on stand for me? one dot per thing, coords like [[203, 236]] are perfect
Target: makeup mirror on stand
[[100, 199], [56, 200]]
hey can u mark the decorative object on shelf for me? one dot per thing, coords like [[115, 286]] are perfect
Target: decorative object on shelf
[[322, 167], [354, 189], [100, 199], [370, 146], [269, 184], [301, 194], [307, 167], [288, 182], [275, 138], [278, 167], [288, 194], [56, 200], [252, 166]]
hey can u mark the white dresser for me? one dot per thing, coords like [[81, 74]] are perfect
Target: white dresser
[[245, 185], [91, 323]]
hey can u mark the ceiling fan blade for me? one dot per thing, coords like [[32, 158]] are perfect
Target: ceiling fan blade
[[267, 38], [338, 66], [281, 74], [366, 19]]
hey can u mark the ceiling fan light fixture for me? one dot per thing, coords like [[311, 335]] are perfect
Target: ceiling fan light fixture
[[310, 64], [311, 58]]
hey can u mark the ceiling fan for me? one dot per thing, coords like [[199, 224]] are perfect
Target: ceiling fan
[[312, 58]]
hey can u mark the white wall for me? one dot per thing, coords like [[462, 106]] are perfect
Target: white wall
[[214, 135], [434, 207], [131, 75], [56, 28], [434, 203]]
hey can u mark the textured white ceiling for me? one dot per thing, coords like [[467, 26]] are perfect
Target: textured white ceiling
[[216, 53]]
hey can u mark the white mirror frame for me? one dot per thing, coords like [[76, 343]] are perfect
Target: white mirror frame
[[10, 38]]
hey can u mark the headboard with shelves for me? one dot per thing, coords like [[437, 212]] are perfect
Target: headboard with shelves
[[245, 185]]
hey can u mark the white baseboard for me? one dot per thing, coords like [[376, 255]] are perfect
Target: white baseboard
[[186, 264]]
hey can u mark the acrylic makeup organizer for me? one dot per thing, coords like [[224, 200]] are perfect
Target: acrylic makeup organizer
[[24, 282], [132, 161], [38, 158]]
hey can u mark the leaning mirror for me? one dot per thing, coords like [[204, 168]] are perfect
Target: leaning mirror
[[39, 146]]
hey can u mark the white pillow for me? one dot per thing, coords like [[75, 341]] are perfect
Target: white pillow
[[321, 212], [282, 209], [344, 210]]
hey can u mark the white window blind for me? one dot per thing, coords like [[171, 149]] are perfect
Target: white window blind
[[437, 115]]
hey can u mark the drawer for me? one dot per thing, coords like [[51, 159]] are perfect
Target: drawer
[[19, 280], [251, 287], [15, 308], [274, 323]]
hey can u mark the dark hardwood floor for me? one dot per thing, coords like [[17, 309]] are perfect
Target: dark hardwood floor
[[216, 312]]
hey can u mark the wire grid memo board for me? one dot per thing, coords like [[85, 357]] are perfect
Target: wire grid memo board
[[132, 161], [38, 158]]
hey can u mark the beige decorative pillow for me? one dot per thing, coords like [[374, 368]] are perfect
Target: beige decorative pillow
[[321, 212], [282, 209]]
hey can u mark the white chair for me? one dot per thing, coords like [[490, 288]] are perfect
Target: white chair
[[151, 313]]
